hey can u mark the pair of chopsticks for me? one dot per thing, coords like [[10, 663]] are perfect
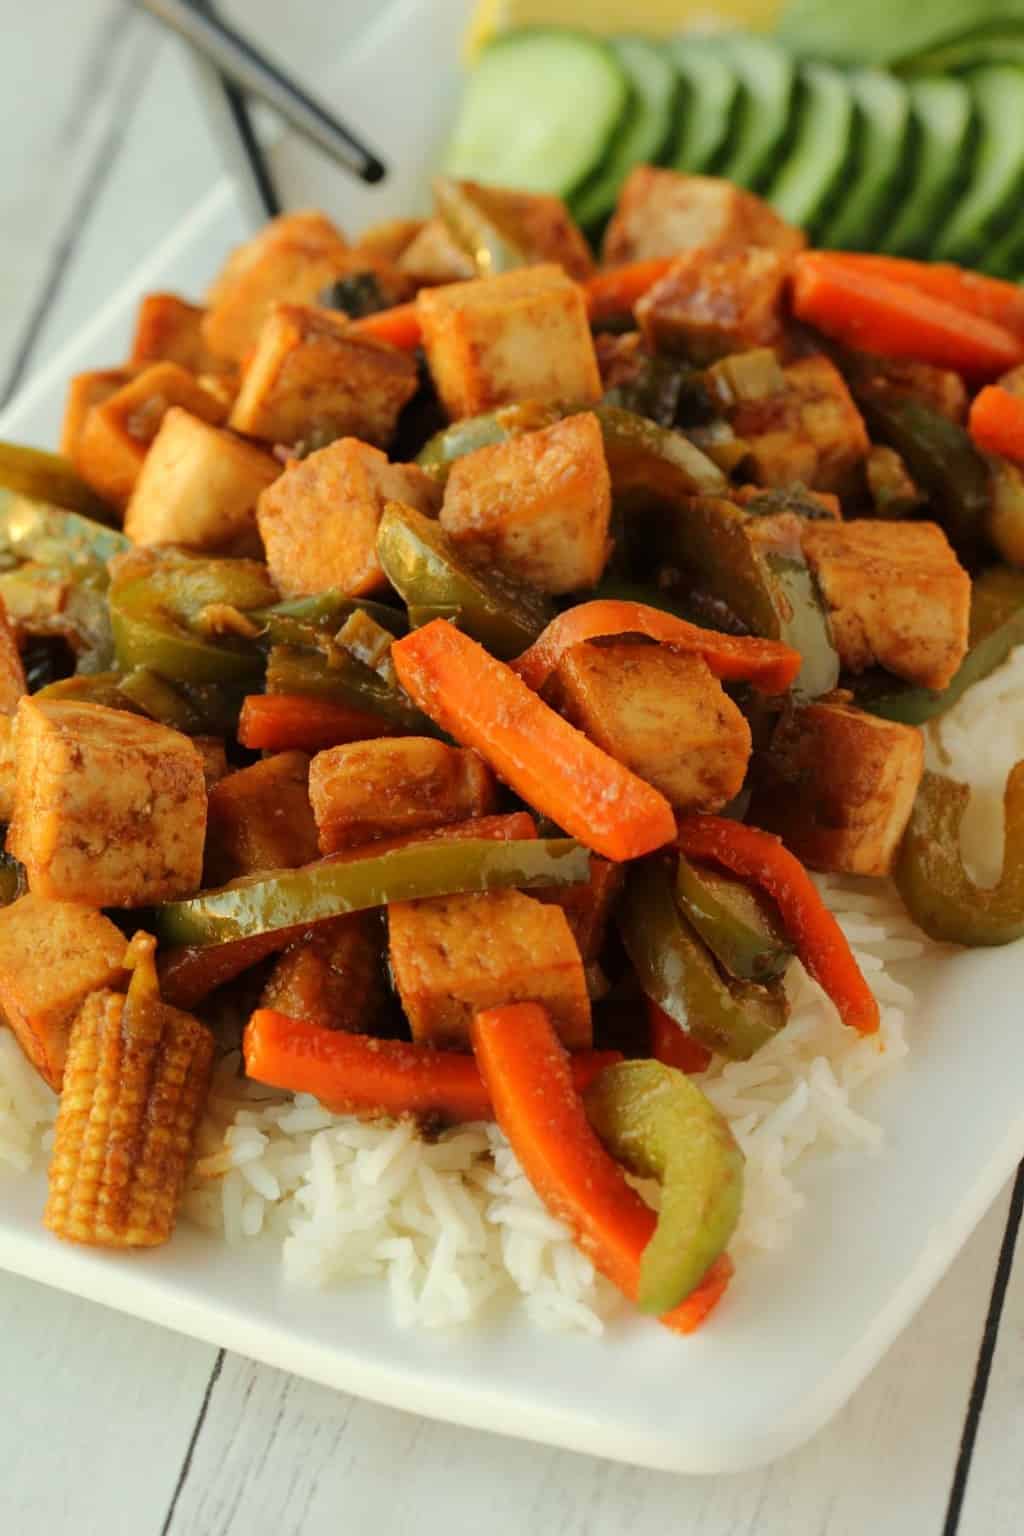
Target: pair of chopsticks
[[244, 72]]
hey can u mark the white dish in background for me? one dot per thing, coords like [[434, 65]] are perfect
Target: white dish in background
[[798, 1332]]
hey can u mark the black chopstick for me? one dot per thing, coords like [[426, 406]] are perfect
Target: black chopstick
[[253, 73]]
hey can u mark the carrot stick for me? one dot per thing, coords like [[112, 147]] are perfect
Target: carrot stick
[[671, 1045], [996, 422], [614, 292], [989, 298], [820, 942], [541, 1112], [399, 326], [483, 704], [878, 315], [360, 1074], [767, 664], [283, 722]]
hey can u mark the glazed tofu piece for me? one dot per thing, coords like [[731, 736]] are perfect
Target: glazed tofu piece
[[838, 786], [260, 818], [897, 595], [367, 790], [168, 329], [319, 521], [292, 260], [332, 976], [589, 906], [434, 257], [116, 434], [498, 340], [660, 713], [12, 673], [84, 391], [52, 955], [310, 381], [109, 807], [811, 431], [198, 487], [709, 305], [537, 505], [661, 213], [453, 956]]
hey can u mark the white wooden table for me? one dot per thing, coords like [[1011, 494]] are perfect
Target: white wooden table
[[108, 1425]]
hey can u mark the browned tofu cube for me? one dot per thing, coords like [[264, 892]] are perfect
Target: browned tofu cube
[[371, 789], [838, 786], [588, 906], [169, 330], [434, 257], [660, 213], [897, 595], [292, 260], [12, 673], [811, 431], [84, 391], [116, 435], [455, 955], [8, 767], [332, 976], [260, 818], [52, 955], [522, 336], [319, 521], [311, 381], [538, 505], [109, 808], [711, 304], [660, 713], [198, 487]]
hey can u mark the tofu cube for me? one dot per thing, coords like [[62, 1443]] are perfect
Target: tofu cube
[[260, 818], [709, 304], [897, 595], [537, 226], [660, 713], [292, 260], [939, 388], [367, 790], [319, 520], [84, 391], [537, 505], [198, 487], [12, 673], [589, 906], [109, 808], [332, 976], [453, 956], [661, 213], [838, 787], [434, 257], [52, 955], [169, 330], [8, 767], [311, 381], [521, 336], [810, 431], [116, 434]]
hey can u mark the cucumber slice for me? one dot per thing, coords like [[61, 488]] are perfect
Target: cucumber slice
[[993, 195], [646, 134], [882, 32], [814, 170], [884, 104], [768, 79], [708, 114], [539, 112], [971, 53], [943, 122], [1006, 257]]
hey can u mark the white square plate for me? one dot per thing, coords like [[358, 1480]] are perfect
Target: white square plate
[[798, 1332]]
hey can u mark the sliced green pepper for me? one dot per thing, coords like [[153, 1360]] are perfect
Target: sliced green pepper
[[878, 694], [742, 932], [92, 688], [661, 1126], [342, 677], [49, 535], [331, 887], [657, 389], [996, 595], [650, 465], [158, 699], [46, 477], [930, 876], [676, 970], [299, 620], [423, 564], [439, 453], [478, 222]]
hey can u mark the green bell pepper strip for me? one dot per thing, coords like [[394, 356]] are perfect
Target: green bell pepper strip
[[996, 595], [299, 620], [426, 568], [746, 938], [149, 635], [677, 971], [475, 225], [930, 876], [46, 477], [342, 677], [650, 464], [34, 530], [440, 452], [660, 1125], [331, 887], [878, 695], [158, 699]]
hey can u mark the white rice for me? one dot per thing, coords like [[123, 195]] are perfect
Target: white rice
[[451, 1225]]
